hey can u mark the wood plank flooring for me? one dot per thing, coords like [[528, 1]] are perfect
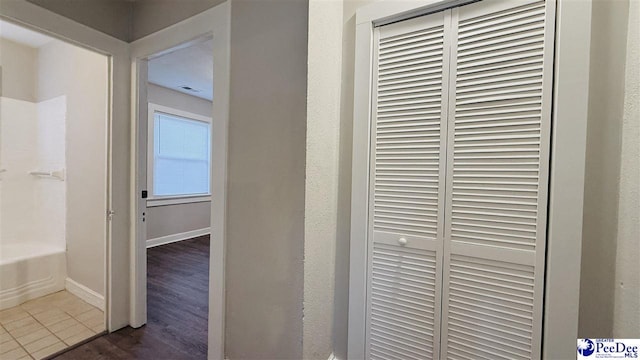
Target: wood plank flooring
[[177, 309]]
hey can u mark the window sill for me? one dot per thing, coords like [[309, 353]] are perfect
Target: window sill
[[177, 200]]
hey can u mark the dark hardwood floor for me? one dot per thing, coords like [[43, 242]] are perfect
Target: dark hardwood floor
[[177, 310]]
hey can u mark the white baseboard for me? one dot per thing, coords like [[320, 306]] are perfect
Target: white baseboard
[[85, 293], [177, 237]]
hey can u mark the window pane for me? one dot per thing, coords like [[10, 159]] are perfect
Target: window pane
[[181, 156], [182, 138]]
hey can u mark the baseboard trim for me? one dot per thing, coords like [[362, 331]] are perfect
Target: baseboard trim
[[177, 237], [85, 293]]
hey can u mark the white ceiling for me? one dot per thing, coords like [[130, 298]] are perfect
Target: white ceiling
[[191, 66], [23, 36]]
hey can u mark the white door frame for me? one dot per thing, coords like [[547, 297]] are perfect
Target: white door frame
[[214, 22], [569, 123], [117, 242]]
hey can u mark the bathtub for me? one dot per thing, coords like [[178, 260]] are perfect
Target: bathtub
[[29, 271]]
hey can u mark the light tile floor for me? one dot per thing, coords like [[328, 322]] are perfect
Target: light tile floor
[[44, 326]]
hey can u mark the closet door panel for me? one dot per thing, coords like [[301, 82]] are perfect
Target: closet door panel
[[408, 135], [497, 175]]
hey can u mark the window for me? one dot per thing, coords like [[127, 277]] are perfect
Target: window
[[179, 154]]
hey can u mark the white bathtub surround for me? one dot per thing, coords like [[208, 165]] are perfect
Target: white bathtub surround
[[51, 193], [18, 131], [29, 271], [32, 139], [32, 207]]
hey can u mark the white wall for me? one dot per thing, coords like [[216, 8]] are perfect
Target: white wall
[[321, 196], [19, 74], [175, 219], [328, 189], [626, 317], [600, 224], [81, 75]]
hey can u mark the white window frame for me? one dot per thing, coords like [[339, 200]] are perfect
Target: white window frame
[[163, 200], [566, 180]]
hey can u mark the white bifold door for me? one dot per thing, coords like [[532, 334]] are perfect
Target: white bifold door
[[460, 142]]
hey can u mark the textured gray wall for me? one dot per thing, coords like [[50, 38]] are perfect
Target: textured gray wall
[[149, 16], [125, 19], [112, 17], [266, 178]]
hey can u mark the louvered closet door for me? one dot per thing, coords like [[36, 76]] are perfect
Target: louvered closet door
[[498, 158], [407, 189]]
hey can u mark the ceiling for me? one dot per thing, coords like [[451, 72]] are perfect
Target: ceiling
[[188, 67], [22, 35]]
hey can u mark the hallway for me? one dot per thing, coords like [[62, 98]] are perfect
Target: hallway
[[177, 295]]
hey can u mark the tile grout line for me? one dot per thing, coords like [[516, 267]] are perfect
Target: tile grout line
[[45, 327], [81, 323], [70, 316], [51, 332], [16, 340]]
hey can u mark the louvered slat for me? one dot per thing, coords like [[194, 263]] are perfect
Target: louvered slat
[[413, 140], [402, 303], [498, 149], [407, 190], [490, 304], [499, 134]]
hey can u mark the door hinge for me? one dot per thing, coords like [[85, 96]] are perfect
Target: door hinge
[[110, 214]]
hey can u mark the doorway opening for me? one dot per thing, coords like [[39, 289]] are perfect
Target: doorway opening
[[176, 199], [54, 226]]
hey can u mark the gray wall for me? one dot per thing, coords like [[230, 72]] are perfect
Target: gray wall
[[174, 219], [127, 20], [177, 100], [606, 98], [19, 74], [112, 17], [266, 177], [149, 16]]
